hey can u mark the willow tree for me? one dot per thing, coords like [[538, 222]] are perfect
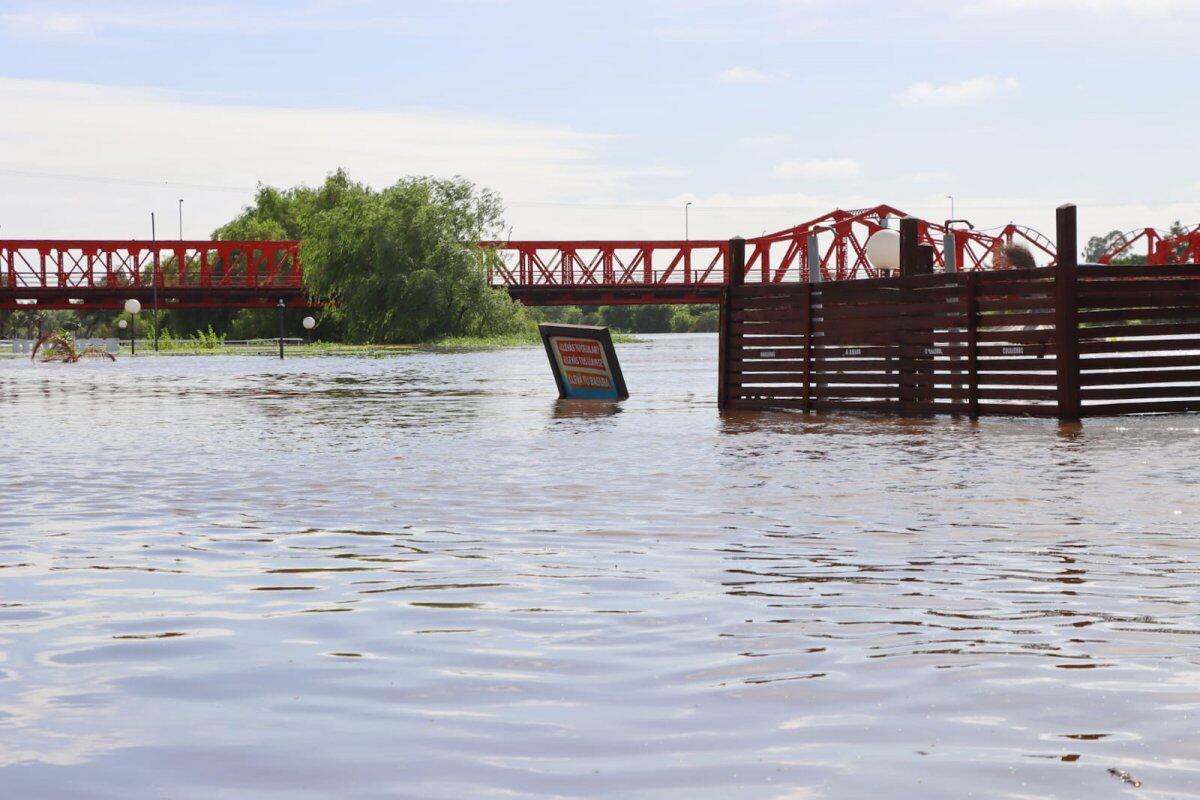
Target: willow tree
[[393, 265]]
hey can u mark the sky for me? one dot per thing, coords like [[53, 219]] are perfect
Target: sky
[[602, 119]]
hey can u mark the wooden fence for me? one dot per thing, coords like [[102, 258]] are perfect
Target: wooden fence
[[1068, 342]]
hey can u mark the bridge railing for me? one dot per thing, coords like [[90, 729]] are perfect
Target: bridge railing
[[32, 264], [833, 244], [606, 263]]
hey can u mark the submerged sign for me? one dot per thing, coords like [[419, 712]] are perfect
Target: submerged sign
[[584, 362]]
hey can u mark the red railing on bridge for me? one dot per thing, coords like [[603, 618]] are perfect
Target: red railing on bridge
[[605, 272], [100, 274]]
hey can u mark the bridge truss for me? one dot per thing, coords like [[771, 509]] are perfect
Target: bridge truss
[[87, 275], [692, 271], [1178, 247]]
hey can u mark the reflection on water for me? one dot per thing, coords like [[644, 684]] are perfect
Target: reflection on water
[[585, 409], [426, 577]]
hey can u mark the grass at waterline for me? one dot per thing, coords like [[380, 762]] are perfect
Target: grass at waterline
[[294, 349], [512, 340]]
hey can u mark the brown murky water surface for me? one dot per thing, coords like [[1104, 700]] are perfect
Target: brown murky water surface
[[424, 577]]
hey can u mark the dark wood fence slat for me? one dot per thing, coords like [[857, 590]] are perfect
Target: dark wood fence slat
[[1105, 271], [1141, 392]]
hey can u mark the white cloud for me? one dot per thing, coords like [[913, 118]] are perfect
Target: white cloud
[[930, 176], [148, 138], [743, 75], [819, 168], [1143, 7], [765, 140], [196, 17], [971, 90]]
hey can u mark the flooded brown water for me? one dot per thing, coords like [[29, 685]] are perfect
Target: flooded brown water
[[424, 577]]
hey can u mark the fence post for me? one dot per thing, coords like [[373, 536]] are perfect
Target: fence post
[[910, 257], [735, 275], [1066, 315], [925, 259], [973, 344], [808, 332]]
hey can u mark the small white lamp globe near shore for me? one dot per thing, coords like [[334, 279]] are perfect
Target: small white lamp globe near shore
[[309, 323], [132, 307], [883, 250]]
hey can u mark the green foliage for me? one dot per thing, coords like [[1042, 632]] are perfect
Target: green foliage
[[391, 266], [208, 340], [639, 319]]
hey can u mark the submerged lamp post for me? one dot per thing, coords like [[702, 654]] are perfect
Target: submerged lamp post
[[122, 324], [154, 275], [132, 307], [280, 305], [309, 323]]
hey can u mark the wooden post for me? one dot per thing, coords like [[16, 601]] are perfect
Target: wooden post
[[808, 330], [973, 344], [925, 259], [912, 261], [1066, 315], [909, 254], [735, 276]]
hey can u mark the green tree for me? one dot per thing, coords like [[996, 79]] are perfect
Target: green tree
[[391, 266], [1097, 246]]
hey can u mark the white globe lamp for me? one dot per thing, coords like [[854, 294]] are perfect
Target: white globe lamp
[[309, 323], [132, 306], [883, 249], [122, 324]]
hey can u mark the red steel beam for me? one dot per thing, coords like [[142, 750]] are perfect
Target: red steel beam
[[87, 274], [1181, 247]]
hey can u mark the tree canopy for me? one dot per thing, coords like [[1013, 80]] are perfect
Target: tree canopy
[[394, 265]]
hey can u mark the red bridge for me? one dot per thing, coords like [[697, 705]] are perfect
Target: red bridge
[[94, 275], [629, 272], [624, 272], [85, 275]]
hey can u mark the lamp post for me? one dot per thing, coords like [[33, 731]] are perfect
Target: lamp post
[[686, 206], [309, 323], [181, 219], [280, 305], [122, 324], [132, 307], [950, 197], [154, 276]]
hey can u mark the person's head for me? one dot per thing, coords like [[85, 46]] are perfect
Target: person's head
[[1016, 256]]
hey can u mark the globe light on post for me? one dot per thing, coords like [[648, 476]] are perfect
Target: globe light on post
[[309, 323], [132, 307], [883, 250]]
